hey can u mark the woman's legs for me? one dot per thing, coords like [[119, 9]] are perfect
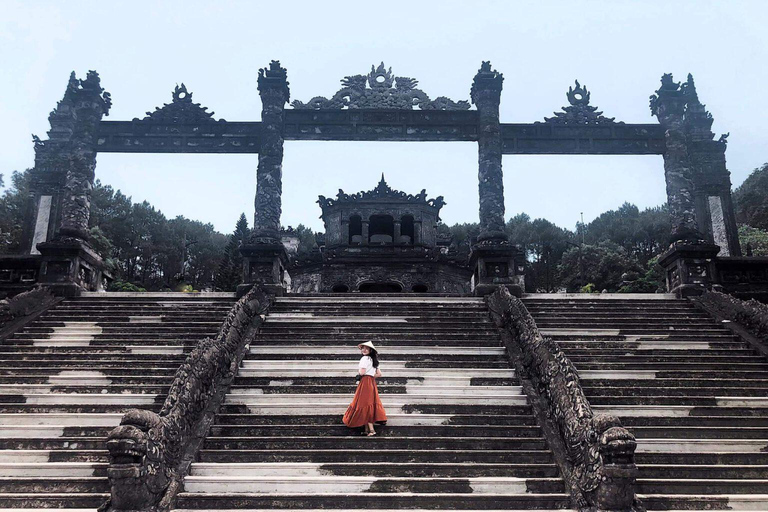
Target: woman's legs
[[370, 430]]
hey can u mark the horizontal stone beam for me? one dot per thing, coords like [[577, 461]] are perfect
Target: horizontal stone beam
[[554, 139], [153, 137], [380, 125], [373, 125]]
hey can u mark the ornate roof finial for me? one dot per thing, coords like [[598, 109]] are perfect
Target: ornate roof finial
[[181, 110], [385, 91], [382, 192], [580, 112], [486, 79]]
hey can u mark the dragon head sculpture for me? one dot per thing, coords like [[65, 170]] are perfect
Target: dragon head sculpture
[[138, 470], [616, 444]]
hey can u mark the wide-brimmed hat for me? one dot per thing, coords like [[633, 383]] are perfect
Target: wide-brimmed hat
[[367, 344]]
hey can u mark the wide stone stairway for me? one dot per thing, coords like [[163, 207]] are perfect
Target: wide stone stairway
[[695, 396], [66, 379], [460, 434]]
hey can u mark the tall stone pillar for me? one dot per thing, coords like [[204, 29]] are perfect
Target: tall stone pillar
[[689, 262], [396, 233], [69, 264], [265, 258], [715, 214], [493, 257], [486, 95]]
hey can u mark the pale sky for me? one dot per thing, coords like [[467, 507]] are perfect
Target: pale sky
[[617, 49]]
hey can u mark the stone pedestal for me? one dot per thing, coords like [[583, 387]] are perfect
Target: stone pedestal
[[496, 263], [689, 267], [70, 266], [264, 264]]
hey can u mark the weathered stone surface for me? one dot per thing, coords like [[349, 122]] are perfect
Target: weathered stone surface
[[593, 443], [486, 95], [751, 314], [181, 110], [580, 112], [385, 91], [668, 105], [149, 452], [274, 92]]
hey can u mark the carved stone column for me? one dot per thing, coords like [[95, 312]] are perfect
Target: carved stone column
[[274, 92], [689, 261], [365, 231], [396, 233], [486, 95], [494, 259], [265, 256], [69, 264]]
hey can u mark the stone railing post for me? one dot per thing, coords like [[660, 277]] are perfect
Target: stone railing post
[[265, 256]]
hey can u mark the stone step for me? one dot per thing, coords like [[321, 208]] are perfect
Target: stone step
[[393, 350], [58, 469], [367, 484], [687, 391], [68, 500], [416, 455], [60, 419], [375, 500], [687, 471], [711, 486], [410, 390], [393, 429], [123, 399], [55, 484], [738, 502], [520, 416], [382, 469]]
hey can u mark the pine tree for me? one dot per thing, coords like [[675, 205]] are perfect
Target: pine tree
[[230, 270]]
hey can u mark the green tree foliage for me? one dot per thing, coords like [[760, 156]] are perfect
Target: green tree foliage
[[754, 241], [230, 271], [13, 204], [307, 242], [604, 265], [148, 250], [544, 244], [751, 199], [643, 235]]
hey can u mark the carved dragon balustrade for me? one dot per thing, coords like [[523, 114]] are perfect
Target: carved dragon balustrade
[[600, 452]]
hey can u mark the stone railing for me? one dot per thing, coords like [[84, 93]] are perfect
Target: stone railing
[[749, 314], [150, 453], [599, 453]]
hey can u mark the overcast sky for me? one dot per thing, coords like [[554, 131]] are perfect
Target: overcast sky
[[618, 49]]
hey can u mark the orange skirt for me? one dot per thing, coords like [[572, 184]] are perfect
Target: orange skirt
[[366, 406]]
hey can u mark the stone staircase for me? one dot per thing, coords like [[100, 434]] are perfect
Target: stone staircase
[[66, 379], [460, 435], [694, 395]]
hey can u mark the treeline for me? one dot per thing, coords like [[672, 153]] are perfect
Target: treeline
[[615, 252]]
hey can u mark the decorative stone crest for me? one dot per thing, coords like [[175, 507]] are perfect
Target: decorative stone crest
[[579, 112], [181, 110], [385, 91], [382, 192]]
